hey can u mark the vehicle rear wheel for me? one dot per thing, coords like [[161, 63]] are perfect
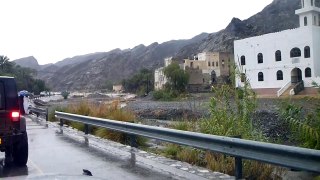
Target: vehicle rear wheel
[[20, 151]]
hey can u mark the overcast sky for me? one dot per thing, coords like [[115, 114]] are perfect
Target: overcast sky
[[51, 30]]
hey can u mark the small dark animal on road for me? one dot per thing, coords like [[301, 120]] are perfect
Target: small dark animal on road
[[86, 172]]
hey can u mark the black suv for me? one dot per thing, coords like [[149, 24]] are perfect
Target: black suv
[[13, 134]]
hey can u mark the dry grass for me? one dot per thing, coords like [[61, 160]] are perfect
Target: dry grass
[[106, 111], [190, 155]]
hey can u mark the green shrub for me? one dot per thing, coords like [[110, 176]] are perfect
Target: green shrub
[[165, 95], [76, 125], [185, 125], [304, 128], [190, 155], [65, 94], [231, 111], [171, 150]]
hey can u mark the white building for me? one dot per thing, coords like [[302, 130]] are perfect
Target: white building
[[276, 62], [159, 78]]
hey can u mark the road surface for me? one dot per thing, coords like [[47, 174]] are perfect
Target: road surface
[[54, 153]]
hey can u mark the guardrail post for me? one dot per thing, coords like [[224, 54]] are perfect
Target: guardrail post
[[238, 164], [47, 115], [238, 167], [61, 123], [86, 132], [86, 128], [133, 140]]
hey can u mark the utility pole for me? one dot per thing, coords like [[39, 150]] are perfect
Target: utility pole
[[147, 84]]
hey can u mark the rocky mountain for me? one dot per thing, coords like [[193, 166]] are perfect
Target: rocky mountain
[[91, 71], [29, 62], [80, 59], [278, 16]]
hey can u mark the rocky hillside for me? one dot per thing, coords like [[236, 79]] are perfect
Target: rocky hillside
[[29, 62], [93, 73], [93, 70], [278, 16]]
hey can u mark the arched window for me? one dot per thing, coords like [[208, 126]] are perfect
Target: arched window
[[305, 20], [279, 75], [295, 52], [311, 2], [302, 3], [278, 55], [317, 3], [208, 63], [307, 52], [213, 64], [260, 76], [260, 58], [243, 60], [217, 64], [307, 72]]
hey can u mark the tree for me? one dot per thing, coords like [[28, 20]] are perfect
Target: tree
[[24, 76], [141, 83], [178, 78], [108, 85], [65, 94], [39, 86], [6, 65]]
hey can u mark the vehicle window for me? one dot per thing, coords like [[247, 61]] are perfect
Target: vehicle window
[[2, 97]]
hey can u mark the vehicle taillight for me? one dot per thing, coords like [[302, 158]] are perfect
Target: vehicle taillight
[[15, 116]]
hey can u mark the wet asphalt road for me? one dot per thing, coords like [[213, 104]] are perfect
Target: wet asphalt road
[[53, 153]]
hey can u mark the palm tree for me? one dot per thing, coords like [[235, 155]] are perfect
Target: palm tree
[[6, 65]]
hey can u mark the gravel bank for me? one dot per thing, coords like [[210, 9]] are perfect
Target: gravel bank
[[266, 118]]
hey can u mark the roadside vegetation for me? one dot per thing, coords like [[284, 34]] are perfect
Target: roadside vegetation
[[304, 123], [231, 111], [107, 111], [24, 76], [231, 115], [65, 94], [176, 85]]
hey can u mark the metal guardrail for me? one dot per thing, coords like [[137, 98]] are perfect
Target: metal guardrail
[[286, 156], [39, 111]]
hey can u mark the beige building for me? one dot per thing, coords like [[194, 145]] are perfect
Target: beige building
[[208, 67], [205, 69], [117, 88]]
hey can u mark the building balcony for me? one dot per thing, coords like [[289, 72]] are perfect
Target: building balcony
[[307, 9]]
